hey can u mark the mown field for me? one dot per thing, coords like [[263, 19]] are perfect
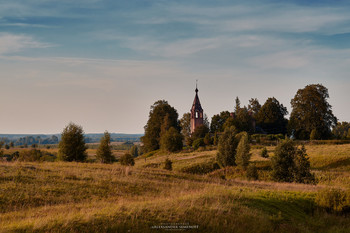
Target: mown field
[[92, 197]]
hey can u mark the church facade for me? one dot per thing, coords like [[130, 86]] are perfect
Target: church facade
[[196, 113]]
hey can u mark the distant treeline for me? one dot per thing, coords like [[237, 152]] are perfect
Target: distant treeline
[[49, 139]]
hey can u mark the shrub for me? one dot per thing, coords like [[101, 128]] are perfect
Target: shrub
[[243, 148], [134, 151], [252, 172], [333, 200], [208, 140], [34, 155], [197, 143], [127, 160], [168, 164], [264, 153], [201, 168]]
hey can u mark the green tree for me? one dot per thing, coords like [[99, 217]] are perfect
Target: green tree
[[291, 164], [227, 146], [216, 139], [302, 172], [104, 151], [314, 135], [185, 124], [198, 143], [340, 131], [311, 110], [134, 151], [207, 139], [72, 145], [271, 117], [254, 107], [200, 132], [252, 172], [283, 161], [238, 105], [172, 140], [127, 160], [218, 121], [159, 110], [243, 148]]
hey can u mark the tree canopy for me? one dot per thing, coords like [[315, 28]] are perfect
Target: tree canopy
[[271, 117], [161, 114], [72, 145], [218, 121], [104, 151], [311, 110]]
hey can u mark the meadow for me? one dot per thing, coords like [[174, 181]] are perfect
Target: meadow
[[93, 197]]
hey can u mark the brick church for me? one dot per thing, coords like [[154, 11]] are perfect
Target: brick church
[[196, 113]]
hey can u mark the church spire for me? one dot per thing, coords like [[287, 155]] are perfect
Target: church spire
[[196, 112]]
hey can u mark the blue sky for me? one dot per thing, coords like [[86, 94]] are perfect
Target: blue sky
[[102, 64]]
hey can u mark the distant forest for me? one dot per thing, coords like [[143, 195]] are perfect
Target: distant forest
[[46, 139]]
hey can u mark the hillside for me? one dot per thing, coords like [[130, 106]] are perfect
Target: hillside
[[91, 197]]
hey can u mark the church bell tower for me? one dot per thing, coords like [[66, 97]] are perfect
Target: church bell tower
[[196, 113]]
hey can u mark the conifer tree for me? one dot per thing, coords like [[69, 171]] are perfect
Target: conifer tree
[[104, 152], [227, 148], [134, 151], [243, 148]]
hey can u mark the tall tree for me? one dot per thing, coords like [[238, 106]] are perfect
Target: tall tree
[[254, 107], [238, 105], [104, 151], [243, 148], [171, 141], [185, 124], [311, 110], [271, 116], [218, 121], [341, 130], [227, 146], [159, 110], [72, 145]]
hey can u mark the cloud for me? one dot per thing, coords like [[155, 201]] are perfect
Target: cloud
[[12, 43]]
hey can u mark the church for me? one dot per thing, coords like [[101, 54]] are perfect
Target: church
[[196, 113]]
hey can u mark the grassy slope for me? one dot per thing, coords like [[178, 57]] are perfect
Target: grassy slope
[[76, 197]]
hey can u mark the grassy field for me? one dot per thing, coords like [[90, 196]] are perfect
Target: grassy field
[[92, 197]]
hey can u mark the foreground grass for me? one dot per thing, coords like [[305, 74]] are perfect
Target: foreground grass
[[91, 197]]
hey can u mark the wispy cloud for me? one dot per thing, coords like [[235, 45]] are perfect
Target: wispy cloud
[[12, 43]]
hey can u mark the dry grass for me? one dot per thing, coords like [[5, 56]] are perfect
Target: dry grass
[[92, 197]]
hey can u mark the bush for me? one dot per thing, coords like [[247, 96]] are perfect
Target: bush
[[198, 143], [252, 172], [34, 155], [127, 160], [168, 164], [134, 151], [201, 168], [264, 153], [333, 200]]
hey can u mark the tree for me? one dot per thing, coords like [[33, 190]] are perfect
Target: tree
[[311, 110], [254, 107], [207, 139], [271, 117], [72, 145], [200, 132], [127, 160], [104, 151], [185, 124], [172, 140], [227, 148], [134, 151], [302, 172], [243, 120], [291, 164], [238, 105], [243, 148], [283, 161], [340, 131], [12, 144], [314, 135], [206, 121], [159, 110], [218, 121]]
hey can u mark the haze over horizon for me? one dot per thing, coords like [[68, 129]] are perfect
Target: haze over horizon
[[102, 63]]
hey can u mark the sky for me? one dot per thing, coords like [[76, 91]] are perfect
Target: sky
[[102, 63]]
